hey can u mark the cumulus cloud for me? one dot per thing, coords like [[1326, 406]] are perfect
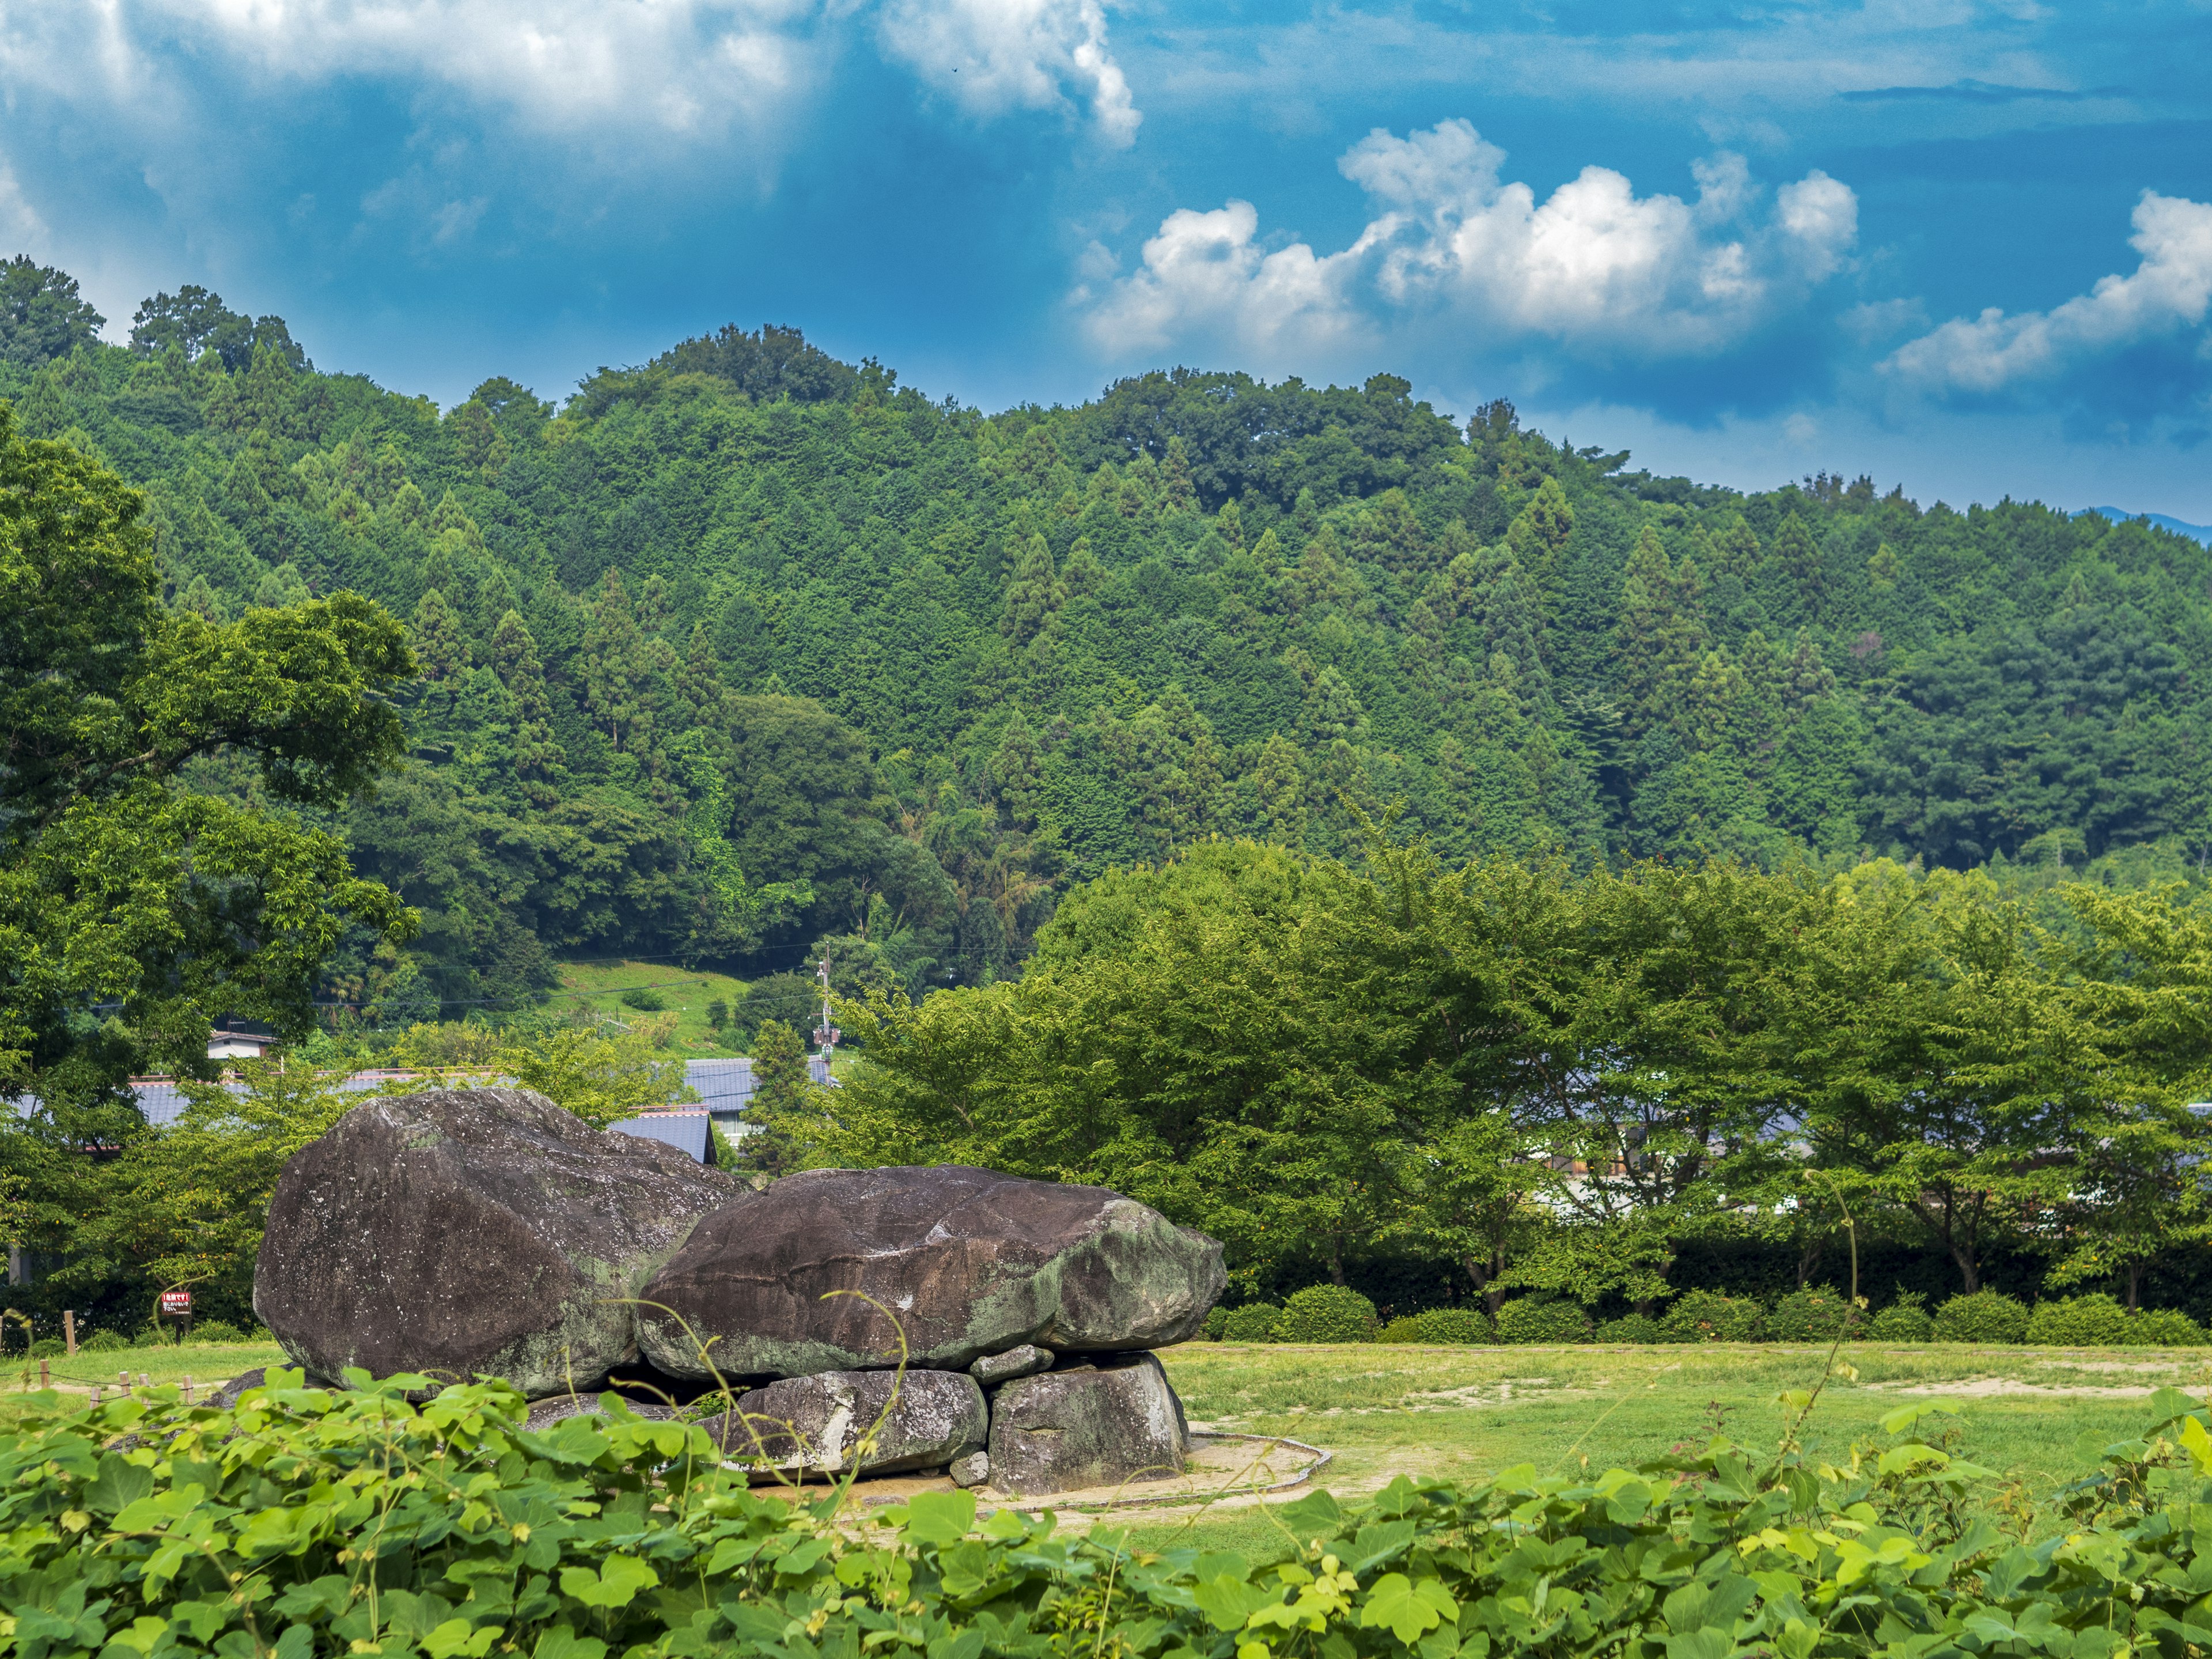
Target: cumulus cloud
[[2162, 300], [992, 55], [1595, 267], [577, 67]]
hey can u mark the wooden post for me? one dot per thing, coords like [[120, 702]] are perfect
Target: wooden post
[[69, 1331], [123, 1383], [143, 1382], [46, 1376], [96, 1394], [188, 1391]]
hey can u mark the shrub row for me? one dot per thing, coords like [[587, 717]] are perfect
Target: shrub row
[[1330, 1313], [317, 1524]]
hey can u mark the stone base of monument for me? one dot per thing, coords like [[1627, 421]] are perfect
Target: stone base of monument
[[1218, 1468], [1099, 1423], [818, 1424]]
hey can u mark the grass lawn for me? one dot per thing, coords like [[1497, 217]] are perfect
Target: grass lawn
[[1470, 1412], [209, 1364]]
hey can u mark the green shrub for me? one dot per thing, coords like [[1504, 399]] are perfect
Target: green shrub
[[645, 1001], [49, 1347], [642, 1541], [1465, 1326], [1405, 1327], [1217, 1321], [718, 1013], [1708, 1316], [2095, 1321], [2165, 1327], [103, 1342], [1326, 1313], [1542, 1320], [1984, 1317], [1815, 1314], [1255, 1322], [216, 1330], [1631, 1328], [1905, 1320]]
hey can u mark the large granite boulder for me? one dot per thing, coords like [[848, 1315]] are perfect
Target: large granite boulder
[[461, 1231], [967, 1262], [1089, 1426], [815, 1425]]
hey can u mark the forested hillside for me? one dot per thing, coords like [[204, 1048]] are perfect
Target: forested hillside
[[748, 646]]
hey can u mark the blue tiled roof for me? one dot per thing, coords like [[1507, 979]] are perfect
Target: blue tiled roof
[[687, 1131]]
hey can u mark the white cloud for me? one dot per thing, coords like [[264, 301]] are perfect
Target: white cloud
[[1595, 267], [992, 55], [21, 226], [2165, 295], [1204, 274], [580, 68]]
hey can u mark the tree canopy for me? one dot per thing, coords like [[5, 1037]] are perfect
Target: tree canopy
[[741, 639]]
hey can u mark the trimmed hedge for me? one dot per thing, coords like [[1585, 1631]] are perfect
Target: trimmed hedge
[[1255, 1322], [1330, 1313], [1815, 1314], [1540, 1320], [1905, 1320], [1708, 1316], [1984, 1317], [2095, 1321], [1465, 1326], [1631, 1328], [1326, 1313]]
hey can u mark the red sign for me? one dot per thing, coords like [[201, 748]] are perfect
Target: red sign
[[176, 1301]]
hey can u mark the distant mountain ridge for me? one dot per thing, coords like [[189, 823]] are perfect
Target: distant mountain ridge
[[2201, 532]]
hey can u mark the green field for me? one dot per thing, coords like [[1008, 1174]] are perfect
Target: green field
[[597, 986], [1467, 1413]]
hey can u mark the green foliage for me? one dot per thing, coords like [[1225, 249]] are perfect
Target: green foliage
[[1905, 1320], [1255, 1322], [644, 1000], [1983, 1316], [601, 1076], [1815, 1314], [1634, 1328], [1542, 1320], [120, 888], [2095, 1321], [1326, 1313], [446, 1527], [41, 315], [2165, 1327], [104, 1342], [1708, 1316], [718, 1014], [787, 1111], [743, 638], [186, 1205], [1405, 1327], [1217, 1321], [216, 1330], [1455, 1325]]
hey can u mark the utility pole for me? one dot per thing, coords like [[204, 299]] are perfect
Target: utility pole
[[825, 1033]]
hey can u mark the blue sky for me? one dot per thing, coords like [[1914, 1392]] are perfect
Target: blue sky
[[1963, 247]]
